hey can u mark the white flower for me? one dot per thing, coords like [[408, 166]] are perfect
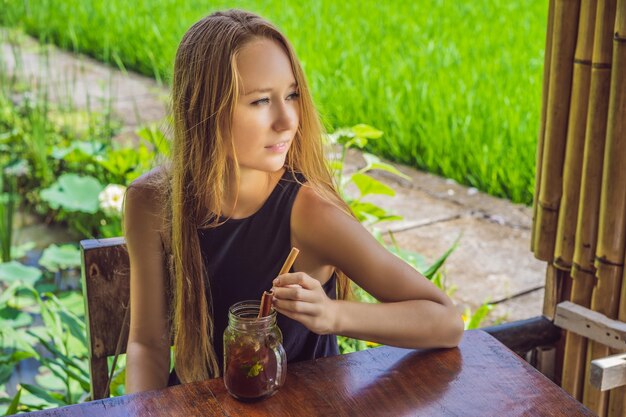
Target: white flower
[[334, 137], [111, 199]]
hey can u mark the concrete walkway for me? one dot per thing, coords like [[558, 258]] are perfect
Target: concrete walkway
[[492, 263]]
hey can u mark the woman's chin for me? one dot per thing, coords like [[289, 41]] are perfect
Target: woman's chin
[[269, 166]]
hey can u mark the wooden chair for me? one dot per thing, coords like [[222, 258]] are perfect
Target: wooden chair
[[106, 287]]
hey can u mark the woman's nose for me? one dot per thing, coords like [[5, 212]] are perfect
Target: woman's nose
[[287, 115]]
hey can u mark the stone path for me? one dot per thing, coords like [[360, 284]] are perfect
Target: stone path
[[493, 261]]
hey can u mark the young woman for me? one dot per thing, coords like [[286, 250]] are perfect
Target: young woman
[[246, 182]]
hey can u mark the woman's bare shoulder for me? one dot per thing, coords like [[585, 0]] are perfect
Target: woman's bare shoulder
[[153, 181], [149, 190], [146, 202], [315, 218], [309, 202]]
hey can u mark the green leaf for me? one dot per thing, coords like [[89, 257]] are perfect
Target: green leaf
[[15, 318], [51, 398], [77, 343], [437, 279], [119, 162], [74, 302], [9, 292], [13, 340], [335, 165], [70, 321], [50, 381], [77, 151], [153, 135], [357, 141], [432, 270], [58, 355], [43, 287], [14, 271], [370, 212], [366, 131], [19, 251], [255, 370], [20, 355], [368, 185], [14, 403], [6, 370], [65, 372], [13, 357], [25, 300], [414, 259], [118, 383], [374, 162], [55, 258], [74, 193], [481, 312]]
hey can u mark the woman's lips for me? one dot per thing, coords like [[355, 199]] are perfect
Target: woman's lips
[[278, 147]]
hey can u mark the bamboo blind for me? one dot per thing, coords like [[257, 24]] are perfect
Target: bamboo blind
[[579, 223]]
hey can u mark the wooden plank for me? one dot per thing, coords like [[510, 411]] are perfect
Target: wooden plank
[[106, 286], [608, 373], [591, 324], [99, 372]]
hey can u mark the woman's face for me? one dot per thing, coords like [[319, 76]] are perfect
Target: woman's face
[[267, 114]]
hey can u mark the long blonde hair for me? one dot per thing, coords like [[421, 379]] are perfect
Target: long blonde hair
[[204, 93]]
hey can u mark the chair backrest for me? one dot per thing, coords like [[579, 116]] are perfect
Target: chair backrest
[[106, 287]]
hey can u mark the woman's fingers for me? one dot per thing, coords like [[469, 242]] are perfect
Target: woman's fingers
[[302, 298], [296, 278], [293, 292], [301, 307]]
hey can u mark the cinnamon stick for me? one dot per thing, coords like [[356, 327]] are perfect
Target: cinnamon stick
[[266, 303], [266, 299]]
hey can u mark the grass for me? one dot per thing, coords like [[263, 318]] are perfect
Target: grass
[[455, 86]]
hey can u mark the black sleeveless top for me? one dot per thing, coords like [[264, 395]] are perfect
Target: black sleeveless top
[[243, 256]]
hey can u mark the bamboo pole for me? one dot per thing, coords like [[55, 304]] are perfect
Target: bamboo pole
[[617, 129], [561, 66], [595, 136], [574, 358], [617, 399], [575, 143], [557, 289], [617, 403], [605, 300], [542, 126], [582, 272], [612, 225]]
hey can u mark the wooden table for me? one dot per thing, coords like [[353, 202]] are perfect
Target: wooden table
[[480, 378]]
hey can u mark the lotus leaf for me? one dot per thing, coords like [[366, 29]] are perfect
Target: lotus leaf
[[15, 271], [74, 193], [56, 258]]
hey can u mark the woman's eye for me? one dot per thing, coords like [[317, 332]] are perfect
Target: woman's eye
[[266, 100], [261, 101]]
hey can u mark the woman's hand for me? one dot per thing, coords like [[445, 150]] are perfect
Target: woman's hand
[[302, 298]]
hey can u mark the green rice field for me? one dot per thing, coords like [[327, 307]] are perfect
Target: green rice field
[[455, 86]]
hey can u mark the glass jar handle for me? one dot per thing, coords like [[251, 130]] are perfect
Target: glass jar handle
[[281, 364]]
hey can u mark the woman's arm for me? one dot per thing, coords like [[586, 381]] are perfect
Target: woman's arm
[[413, 312], [148, 349]]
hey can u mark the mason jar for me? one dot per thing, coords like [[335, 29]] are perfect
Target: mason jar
[[255, 363]]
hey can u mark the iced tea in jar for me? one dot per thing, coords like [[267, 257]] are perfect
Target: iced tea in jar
[[255, 363]]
